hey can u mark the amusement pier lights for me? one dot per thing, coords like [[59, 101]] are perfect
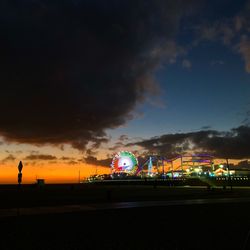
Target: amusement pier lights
[[124, 162]]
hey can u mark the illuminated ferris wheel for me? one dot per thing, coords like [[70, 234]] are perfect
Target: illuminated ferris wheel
[[124, 162]]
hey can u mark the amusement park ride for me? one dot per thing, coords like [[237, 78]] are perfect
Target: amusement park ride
[[125, 162], [192, 169]]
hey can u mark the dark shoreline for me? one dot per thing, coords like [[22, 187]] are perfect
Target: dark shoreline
[[84, 193]]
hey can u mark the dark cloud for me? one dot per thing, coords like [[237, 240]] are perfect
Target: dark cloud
[[41, 157], [65, 158], [96, 143], [246, 120], [205, 127], [117, 146], [94, 161], [53, 162], [234, 144], [120, 143], [8, 158], [123, 138], [72, 162], [90, 151], [71, 69]]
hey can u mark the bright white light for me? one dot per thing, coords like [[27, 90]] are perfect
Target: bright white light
[[125, 163]]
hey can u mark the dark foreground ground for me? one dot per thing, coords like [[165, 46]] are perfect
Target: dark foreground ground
[[205, 226]]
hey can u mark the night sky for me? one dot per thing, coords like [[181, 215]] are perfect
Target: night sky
[[81, 80]]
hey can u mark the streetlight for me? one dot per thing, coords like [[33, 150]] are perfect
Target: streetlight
[[228, 174]]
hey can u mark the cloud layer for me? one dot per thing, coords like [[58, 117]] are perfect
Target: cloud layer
[[234, 144], [71, 69]]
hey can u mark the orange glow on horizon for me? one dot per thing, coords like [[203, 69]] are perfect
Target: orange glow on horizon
[[65, 173], [54, 173]]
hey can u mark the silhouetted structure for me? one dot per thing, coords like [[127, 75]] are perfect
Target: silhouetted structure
[[19, 176], [40, 182]]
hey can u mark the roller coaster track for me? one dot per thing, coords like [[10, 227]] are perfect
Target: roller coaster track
[[206, 159]]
